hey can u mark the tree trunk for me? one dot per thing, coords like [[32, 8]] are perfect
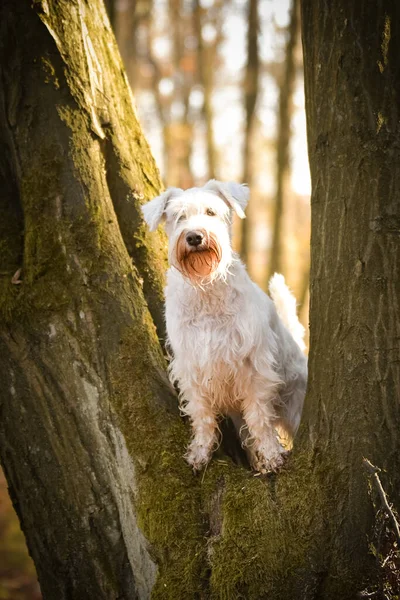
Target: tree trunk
[[250, 100], [352, 86], [81, 370], [178, 135], [283, 138], [302, 302], [205, 66], [90, 441], [125, 23]]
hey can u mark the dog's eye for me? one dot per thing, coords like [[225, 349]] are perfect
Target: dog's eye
[[181, 218], [210, 212]]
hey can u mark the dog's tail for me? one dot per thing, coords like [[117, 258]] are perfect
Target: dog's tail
[[285, 304]]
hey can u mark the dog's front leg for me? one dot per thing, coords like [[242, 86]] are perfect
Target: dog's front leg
[[266, 453], [205, 428]]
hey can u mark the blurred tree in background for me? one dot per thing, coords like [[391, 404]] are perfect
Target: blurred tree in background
[[286, 91], [250, 94], [219, 91]]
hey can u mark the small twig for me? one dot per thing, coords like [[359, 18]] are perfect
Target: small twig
[[385, 561], [15, 279], [373, 471], [204, 473]]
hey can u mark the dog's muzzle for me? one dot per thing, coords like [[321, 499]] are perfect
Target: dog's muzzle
[[198, 254]]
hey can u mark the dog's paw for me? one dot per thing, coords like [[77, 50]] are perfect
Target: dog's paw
[[269, 464], [197, 456]]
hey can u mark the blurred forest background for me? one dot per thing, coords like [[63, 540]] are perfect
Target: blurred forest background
[[218, 86]]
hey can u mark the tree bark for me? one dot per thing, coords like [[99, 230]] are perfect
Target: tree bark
[[283, 138], [304, 293], [89, 438], [125, 23], [250, 101], [178, 135], [205, 66], [81, 370], [352, 87]]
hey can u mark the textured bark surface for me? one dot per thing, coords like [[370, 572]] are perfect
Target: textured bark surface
[[81, 368], [90, 441], [100, 97], [352, 84]]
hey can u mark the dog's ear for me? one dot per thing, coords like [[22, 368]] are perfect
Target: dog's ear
[[235, 195], [154, 210]]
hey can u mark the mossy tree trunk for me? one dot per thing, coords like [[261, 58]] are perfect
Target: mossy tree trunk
[[81, 369], [352, 88], [89, 438]]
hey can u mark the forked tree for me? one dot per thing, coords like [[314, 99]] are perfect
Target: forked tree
[[90, 438]]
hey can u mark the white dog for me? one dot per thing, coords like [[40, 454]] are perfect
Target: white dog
[[232, 353]]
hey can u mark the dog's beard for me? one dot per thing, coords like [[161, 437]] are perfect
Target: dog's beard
[[201, 264]]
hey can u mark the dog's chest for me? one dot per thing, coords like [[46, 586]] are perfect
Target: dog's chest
[[211, 333], [215, 339]]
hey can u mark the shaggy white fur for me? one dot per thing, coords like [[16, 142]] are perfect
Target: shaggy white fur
[[235, 351]]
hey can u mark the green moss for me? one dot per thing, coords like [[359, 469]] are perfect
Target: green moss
[[243, 549], [11, 246], [11, 261], [224, 533], [50, 72], [263, 540], [168, 501], [386, 36]]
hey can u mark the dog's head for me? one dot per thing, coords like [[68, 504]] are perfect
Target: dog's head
[[198, 223]]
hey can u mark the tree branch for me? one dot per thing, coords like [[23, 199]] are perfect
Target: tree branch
[[373, 471]]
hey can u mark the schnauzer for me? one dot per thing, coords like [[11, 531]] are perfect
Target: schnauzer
[[235, 351]]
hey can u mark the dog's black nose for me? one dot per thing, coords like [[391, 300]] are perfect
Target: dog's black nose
[[194, 238]]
